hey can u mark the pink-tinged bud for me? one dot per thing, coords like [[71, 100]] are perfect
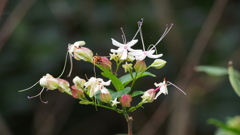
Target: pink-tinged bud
[[77, 93], [83, 53], [49, 82], [140, 66], [105, 96], [79, 82], [149, 96], [63, 85], [105, 62], [126, 100]]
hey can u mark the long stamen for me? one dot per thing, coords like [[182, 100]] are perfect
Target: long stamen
[[139, 27], [177, 87], [164, 34], [123, 36], [141, 36], [65, 63], [29, 87]]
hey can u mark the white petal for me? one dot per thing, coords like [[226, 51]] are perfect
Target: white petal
[[131, 43], [141, 57], [124, 55], [136, 52], [106, 83], [155, 56], [79, 43], [116, 43], [164, 90], [116, 51], [158, 94]]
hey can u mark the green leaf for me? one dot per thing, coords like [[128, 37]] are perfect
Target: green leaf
[[115, 81], [234, 78], [212, 70], [120, 93], [136, 93], [127, 78], [223, 125]]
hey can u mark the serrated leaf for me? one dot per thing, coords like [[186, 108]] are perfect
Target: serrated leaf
[[115, 81], [120, 93], [234, 79], [127, 78], [212, 70], [136, 93]]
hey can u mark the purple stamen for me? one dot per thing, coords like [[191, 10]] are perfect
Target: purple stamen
[[177, 87]]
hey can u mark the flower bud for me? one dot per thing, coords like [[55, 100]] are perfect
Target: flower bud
[[127, 67], [149, 96], [158, 63], [105, 96], [77, 93], [140, 66], [49, 82], [126, 100], [105, 62], [63, 85], [79, 82], [83, 53]]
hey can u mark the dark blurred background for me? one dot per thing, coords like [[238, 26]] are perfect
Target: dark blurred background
[[34, 35]]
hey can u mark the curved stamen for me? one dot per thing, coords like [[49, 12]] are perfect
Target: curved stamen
[[164, 34], [65, 63], [36, 95], [177, 87], [39, 94], [141, 36]]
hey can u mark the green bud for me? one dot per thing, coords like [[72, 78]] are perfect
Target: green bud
[[83, 53], [140, 66], [105, 96], [63, 85], [158, 63]]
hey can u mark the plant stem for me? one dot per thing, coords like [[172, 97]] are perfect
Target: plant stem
[[129, 122]]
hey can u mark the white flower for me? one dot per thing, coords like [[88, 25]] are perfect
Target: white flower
[[163, 88], [115, 102], [96, 84], [123, 48]]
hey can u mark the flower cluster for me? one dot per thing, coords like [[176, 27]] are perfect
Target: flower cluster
[[116, 90]]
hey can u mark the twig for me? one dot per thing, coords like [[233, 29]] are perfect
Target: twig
[[13, 20], [2, 6], [177, 122]]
